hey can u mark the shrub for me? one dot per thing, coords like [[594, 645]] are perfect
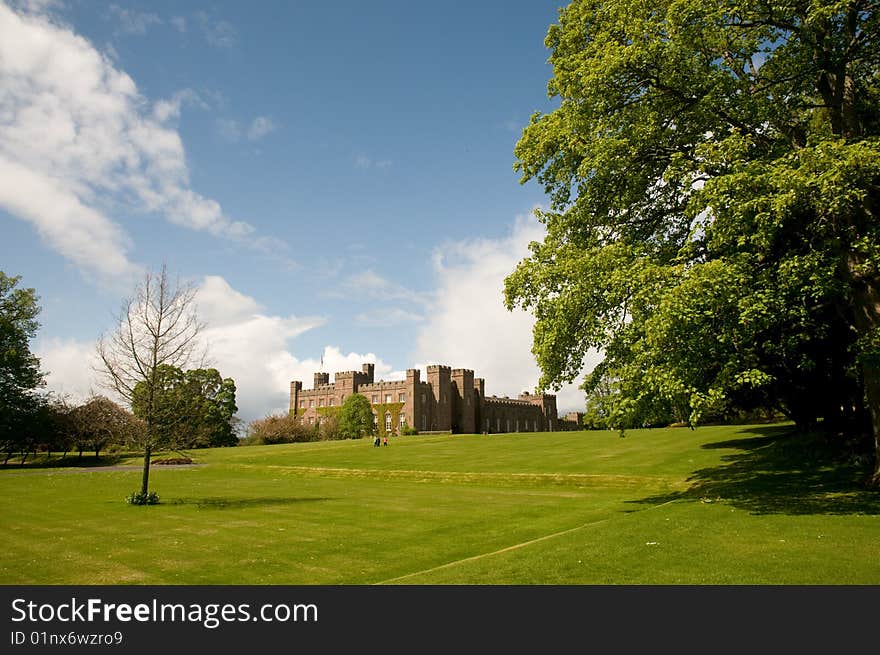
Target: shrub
[[172, 461], [408, 430], [279, 428], [138, 498]]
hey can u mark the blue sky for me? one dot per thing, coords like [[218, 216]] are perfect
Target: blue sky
[[336, 178]]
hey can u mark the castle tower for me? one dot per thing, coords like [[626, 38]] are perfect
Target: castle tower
[[463, 414], [439, 377], [368, 370], [321, 378], [550, 411], [479, 405], [295, 387], [413, 408]]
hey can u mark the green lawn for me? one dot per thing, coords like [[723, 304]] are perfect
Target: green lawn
[[719, 505]]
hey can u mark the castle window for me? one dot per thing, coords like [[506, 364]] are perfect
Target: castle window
[[387, 398], [375, 419], [311, 420], [331, 402], [401, 420], [424, 422], [488, 427], [497, 425], [517, 425], [467, 399], [311, 403], [423, 398], [375, 398], [320, 402], [387, 421], [302, 404], [536, 425], [401, 397], [508, 425]]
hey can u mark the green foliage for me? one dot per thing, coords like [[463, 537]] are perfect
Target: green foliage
[[191, 409], [356, 417], [20, 374], [713, 173], [381, 409], [140, 498], [408, 430]]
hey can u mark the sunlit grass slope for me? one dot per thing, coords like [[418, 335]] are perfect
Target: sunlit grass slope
[[724, 505]]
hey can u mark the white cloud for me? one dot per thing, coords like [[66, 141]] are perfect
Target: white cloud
[[260, 127], [70, 365], [254, 350], [179, 23], [364, 162], [369, 284], [80, 233], [220, 304], [134, 22], [228, 129], [164, 110], [76, 133], [387, 318], [35, 6], [471, 328], [218, 33]]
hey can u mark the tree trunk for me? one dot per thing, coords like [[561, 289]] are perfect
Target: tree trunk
[[866, 309], [872, 394], [146, 479]]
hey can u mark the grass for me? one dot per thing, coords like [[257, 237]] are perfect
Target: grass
[[716, 505]]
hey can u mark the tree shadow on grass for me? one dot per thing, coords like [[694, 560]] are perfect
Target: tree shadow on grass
[[775, 470], [71, 461], [241, 503]]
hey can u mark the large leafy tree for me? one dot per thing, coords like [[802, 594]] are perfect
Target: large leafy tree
[[20, 374], [713, 171], [191, 409], [356, 417]]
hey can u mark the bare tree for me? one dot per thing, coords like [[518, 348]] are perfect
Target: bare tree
[[157, 326]]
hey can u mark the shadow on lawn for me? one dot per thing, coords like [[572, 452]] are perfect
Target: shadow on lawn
[[775, 470], [240, 503], [71, 461]]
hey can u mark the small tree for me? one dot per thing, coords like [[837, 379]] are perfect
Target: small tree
[[158, 326], [356, 417]]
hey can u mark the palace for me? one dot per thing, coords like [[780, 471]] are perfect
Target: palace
[[450, 400]]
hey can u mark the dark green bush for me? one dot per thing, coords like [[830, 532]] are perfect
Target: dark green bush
[[139, 498]]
